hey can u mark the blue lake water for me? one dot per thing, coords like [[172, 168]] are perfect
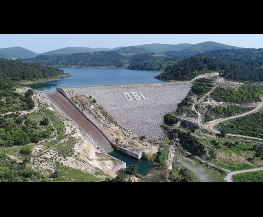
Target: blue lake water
[[98, 76], [81, 77]]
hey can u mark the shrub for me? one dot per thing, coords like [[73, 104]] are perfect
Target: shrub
[[170, 119], [26, 150]]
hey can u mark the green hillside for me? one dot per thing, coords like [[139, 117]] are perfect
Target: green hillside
[[109, 59], [70, 50], [132, 50], [169, 50], [155, 48], [190, 67], [14, 70], [205, 47], [132, 57], [102, 49], [163, 48], [208, 49], [249, 55], [19, 52], [4, 54]]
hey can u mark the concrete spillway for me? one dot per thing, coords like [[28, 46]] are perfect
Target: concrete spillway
[[69, 109]]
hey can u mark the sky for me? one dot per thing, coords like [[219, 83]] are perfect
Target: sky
[[40, 43]]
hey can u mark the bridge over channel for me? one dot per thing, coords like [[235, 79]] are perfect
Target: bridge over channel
[[70, 109]]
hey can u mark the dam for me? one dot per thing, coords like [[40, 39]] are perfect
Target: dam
[[138, 107]]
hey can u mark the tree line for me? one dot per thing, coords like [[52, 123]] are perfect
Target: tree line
[[13, 70], [189, 68]]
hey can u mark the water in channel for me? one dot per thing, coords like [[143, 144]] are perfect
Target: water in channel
[[143, 165]]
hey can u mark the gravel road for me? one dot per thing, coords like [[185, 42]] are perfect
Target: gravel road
[[211, 125]]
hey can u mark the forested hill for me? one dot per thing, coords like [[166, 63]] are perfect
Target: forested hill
[[164, 48], [190, 67], [12, 70], [69, 50], [95, 59], [16, 52], [205, 47], [245, 55], [131, 57], [172, 56], [129, 51]]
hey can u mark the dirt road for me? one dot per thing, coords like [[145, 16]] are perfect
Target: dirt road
[[211, 125]]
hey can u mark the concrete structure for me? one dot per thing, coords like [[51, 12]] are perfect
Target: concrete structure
[[128, 152]]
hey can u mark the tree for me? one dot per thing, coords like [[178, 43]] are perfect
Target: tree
[[29, 93], [44, 122], [121, 176], [27, 150], [133, 169], [170, 119], [222, 134]]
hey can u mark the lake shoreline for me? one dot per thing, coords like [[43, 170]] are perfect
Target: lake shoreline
[[55, 78], [83, 77]]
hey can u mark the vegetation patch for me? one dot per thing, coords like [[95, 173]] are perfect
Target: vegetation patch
[[12, 171], [66, 174], [249, 177], [202, 86], [235, 166], [216, 112], [250, 125], [171, 119], [243, 94]]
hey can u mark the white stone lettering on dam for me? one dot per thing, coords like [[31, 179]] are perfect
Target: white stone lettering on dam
[[142, 95], [127, 96], [136, 96], [139, 107]]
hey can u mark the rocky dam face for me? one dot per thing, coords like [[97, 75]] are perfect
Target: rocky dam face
[[138, 107]]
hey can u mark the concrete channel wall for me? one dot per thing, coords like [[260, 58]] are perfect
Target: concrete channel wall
[[120, 165], [120, 149], [128, 152]]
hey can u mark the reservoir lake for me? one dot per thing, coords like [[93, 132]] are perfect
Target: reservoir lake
[[81, 77]]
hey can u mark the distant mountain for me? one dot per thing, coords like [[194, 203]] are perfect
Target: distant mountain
[[17, 52], [5, 54], [116, 48], [89, 59], [131, 56], [205, 47], [247, 55], [163, 48], [155, 49], [132, 50], [102, 49], [168, 50], [70, 50]]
